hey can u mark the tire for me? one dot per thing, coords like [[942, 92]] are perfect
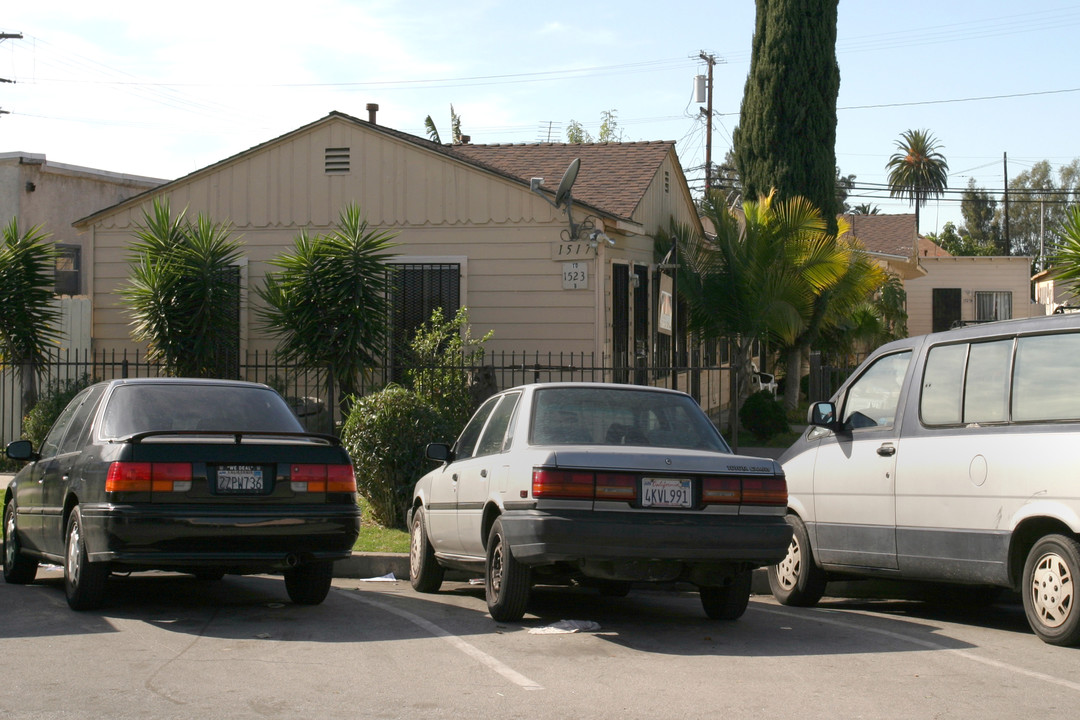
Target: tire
[[84, 581], [507, 580], [727, 602], [309, 583], [425, 573], [796, 580], [1049, 590], [18, 569]]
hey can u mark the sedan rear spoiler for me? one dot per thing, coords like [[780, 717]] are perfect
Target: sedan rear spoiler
[[237, 436]]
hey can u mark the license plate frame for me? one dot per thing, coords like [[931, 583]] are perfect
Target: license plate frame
[[240, 480], [667, 493]]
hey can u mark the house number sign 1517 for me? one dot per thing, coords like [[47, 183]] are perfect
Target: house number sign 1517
[[575, 276]]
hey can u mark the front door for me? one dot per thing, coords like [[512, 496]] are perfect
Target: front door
[[854, 476]]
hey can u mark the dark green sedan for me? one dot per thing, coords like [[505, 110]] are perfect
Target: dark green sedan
[[209, 477]]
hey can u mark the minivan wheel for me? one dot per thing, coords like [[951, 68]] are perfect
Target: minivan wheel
[[507, 580], [425, 573], [796, 580], [727, 602], [18, 569], [84, 581], [1049, 590]]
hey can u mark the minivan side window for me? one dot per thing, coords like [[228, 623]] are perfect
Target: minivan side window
[[1046, 378], [872, 399], [943, 385], [986, 389]]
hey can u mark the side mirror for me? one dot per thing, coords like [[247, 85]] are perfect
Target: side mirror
[[21, 450], [440, 452], [823, 414]]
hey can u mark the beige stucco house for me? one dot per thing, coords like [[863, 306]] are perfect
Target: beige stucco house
[[473, 229], [943, 290], [53, 195]]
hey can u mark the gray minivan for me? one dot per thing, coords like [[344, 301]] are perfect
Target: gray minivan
[[950, 457]]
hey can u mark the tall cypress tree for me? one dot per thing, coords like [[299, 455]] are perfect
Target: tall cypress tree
[[786, 138]]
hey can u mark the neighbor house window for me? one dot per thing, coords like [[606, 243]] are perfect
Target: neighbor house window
[[993, 306], [68, 264]]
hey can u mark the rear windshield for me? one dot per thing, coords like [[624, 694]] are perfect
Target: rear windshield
[[141, 408], [609, 416]]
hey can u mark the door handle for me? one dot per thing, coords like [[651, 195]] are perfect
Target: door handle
[[886, 450]]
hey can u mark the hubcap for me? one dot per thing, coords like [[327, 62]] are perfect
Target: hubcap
[[787, 570], [415, 549], [74, 554], [1052, 590], [495, 576], [9, 538]]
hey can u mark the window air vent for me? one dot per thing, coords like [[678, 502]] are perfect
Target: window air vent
[[337, 161]]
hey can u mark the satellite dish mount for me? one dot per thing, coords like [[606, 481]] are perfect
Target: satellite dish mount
[[564, 199]]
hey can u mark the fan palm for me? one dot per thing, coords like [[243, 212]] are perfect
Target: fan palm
[[918, 171], [28, 323]]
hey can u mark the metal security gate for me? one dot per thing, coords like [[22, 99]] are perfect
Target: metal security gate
[[416, 289]]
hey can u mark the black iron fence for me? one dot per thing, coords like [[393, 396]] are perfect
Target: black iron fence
[[314, 397]]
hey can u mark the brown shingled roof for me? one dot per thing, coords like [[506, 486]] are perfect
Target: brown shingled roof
[[885, 234], [613, 176]]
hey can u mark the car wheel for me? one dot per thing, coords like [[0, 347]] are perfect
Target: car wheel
[[84, 581], [18, 569], [425, 573], [727, 602], [1050, 594], [796, 580], [309, 583], [507, 579]]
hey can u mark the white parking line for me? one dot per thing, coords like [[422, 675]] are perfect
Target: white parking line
[[512, 675], [816, 613]]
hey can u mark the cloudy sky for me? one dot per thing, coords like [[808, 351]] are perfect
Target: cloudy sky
[[161, 89]]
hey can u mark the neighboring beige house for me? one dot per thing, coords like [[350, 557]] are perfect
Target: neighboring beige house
[[1054, 294], [53, 195], [472, 231], [943, 290]]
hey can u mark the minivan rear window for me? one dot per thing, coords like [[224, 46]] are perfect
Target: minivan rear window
[[1046, 379]]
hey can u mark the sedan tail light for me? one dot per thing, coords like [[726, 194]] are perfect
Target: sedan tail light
[[550, 484], [311, 477], [148, 477]]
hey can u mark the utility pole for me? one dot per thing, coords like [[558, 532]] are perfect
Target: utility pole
[[8, 36], [1008, 243], [710, 60]]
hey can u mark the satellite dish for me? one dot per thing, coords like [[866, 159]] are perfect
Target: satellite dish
[[562, 195]]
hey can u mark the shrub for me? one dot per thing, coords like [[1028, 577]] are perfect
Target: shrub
[[386, 434], [50, 404], [763, 416]]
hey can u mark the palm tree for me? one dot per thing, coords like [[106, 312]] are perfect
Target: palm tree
[[179, 294], [918, 171], [865, 209], [328, 302], [759, 277], [1067, 258], [29, 318]]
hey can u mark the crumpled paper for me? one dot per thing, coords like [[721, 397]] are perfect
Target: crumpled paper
[[566, 626], [388, 577]]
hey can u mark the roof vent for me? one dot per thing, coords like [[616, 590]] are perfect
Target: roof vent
[[337, 161]]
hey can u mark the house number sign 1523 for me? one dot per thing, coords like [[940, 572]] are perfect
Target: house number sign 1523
[[575, 276]]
